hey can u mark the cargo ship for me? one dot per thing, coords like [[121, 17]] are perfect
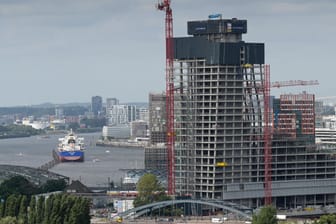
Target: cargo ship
[[70, 148]]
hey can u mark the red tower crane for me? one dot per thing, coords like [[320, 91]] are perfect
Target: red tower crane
[[267, 138], [279, 84], [165, 6], [268, 129]]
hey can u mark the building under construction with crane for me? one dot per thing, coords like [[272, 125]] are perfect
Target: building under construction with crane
[[231, 141]]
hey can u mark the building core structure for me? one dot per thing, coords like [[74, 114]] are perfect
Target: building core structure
[[156, 151], [219, 128]]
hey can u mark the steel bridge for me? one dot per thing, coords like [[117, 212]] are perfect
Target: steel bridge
[[243, 213]]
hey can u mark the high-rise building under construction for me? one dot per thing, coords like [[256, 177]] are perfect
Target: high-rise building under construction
[[219, 83]]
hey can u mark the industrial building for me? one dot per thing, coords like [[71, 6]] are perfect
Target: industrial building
[[219, 83]]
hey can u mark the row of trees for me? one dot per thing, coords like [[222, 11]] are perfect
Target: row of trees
[[267, 215], [43, 110], [19, 203], [326, 219], [88, 124], [56, 209], [13, 131], [26, 111]]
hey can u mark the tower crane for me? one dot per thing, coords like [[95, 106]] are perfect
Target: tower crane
[[267, 138], [279, 84], [268, 129], [165, 6]]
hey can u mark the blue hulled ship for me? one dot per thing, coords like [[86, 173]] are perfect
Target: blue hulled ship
[[70, 148]]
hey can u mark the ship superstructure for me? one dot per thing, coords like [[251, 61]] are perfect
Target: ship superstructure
[[70, 148]]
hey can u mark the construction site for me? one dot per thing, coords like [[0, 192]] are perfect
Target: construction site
[[227, 137]]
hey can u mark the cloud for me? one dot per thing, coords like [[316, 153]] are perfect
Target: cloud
[[304, 8]]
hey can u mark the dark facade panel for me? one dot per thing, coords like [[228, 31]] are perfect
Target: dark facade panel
[[255, 53], [217, 27], [229, 53], [218, 52]]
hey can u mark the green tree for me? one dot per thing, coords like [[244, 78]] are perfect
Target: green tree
[[13, 131], [53, 185], [40, 209], [69, 203], [22, 216], [55, 216], [84, 207], [75, 110], [32, 212], [48, 209], [74, 212], [8, 220], [25, 111], [267, 215], [63, 208], [17, 185], [93, 122], [149, 190], [2, 207], [11, 206], [326, 219], [60, 208], [79, 212]]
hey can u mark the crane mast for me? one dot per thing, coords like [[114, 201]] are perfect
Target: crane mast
[[165, 6], [267, 138]]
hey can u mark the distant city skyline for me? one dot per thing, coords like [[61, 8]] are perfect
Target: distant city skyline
[[68, 51]]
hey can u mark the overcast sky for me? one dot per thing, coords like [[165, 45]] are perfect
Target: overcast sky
[[63, 51]]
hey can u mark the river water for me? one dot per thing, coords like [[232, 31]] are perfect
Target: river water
[[101, 163]]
